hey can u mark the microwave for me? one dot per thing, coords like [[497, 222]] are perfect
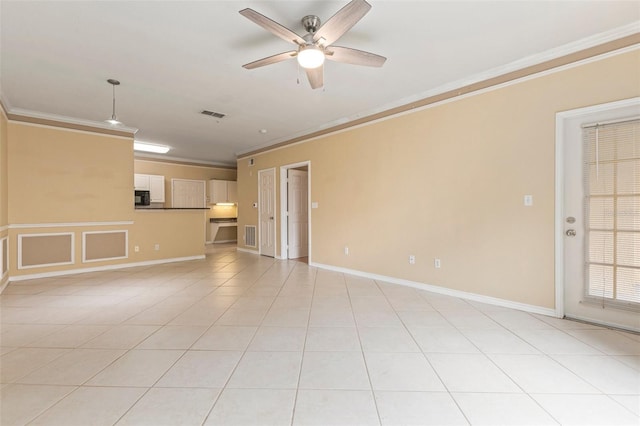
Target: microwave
[[142, 198]]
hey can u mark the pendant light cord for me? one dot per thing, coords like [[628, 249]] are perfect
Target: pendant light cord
[[113, 114]]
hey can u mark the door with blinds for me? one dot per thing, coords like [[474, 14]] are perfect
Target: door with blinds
[[602, 224]]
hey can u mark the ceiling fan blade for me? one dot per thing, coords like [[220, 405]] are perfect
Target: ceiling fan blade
[[272, 26], [270, 60], [341, 22], [315, 76], [354, 56]]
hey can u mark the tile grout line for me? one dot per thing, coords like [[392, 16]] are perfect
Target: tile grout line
[[304, 348], [404, 325]]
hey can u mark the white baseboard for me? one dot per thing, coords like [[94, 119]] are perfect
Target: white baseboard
[[102, 268], [443, 290], [244, 250], [224, 241], [4, 283]]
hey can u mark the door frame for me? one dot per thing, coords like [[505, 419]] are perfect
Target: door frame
[[275, 222], [568, 127], [284, 195]]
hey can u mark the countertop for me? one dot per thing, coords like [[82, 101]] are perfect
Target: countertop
[[170, 208]]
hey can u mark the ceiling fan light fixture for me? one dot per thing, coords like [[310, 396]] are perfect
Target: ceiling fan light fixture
[[310, 57]]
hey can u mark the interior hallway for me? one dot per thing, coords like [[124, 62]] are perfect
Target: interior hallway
[[238, 339]]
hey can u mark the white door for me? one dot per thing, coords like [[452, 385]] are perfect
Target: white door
[[601, 220], [267, 211], [297, 208]]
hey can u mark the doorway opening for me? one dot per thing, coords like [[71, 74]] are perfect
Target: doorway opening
[[295, 209]]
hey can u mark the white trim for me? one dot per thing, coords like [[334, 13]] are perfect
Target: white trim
[[3, 284], [224, 241], [118, 231], [2, 255], [103, 268], [559, 218], [68, 120], [275, 222], [67, 224], [168, 159], [4, 228], [244, 250], [564, 121], [43, 265], [284, 196], [442, 290], [4, 106], [437, 91]]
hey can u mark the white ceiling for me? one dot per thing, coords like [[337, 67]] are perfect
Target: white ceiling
[[177, 58]]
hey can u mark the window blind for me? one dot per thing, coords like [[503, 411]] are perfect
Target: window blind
[[612, 212]]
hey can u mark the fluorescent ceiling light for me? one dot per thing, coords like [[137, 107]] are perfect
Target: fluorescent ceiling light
[[149, 147]]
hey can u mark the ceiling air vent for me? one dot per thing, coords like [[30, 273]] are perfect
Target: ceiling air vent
[[212, 114]]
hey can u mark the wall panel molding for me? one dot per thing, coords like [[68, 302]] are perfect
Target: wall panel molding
[[104, 245], [67, 224], [41, 250]]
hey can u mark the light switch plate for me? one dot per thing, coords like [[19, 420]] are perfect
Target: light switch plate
[[528, 200], [314, 205]]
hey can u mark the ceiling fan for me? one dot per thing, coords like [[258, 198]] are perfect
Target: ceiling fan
[[316, 45]]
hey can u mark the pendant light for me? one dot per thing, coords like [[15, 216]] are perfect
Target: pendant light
[[114, 120]]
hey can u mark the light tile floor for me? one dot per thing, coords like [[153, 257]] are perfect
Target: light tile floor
[[238, 339]]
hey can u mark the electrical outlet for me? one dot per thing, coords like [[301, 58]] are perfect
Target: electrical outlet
[[136, 249], [412, 259], [346, 251], [436, 263], [156, 247]]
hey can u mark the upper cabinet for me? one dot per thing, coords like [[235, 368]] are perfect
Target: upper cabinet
[[152, 183], [156, 188], [223, 191], [141, 182]]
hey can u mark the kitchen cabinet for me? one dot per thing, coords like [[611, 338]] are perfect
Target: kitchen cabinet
[[141, 182], [223, 191], [156, 188], [152, 183]]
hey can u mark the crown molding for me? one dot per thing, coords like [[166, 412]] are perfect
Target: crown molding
[[570, 53], [161, 158], [34, 117]]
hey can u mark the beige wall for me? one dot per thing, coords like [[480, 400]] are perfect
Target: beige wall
[[188, 171], [181, 171], [448, 182], [4, 187], [83, 181], [59, 175]]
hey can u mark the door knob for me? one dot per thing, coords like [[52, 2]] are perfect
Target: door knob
[[570, 233]]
